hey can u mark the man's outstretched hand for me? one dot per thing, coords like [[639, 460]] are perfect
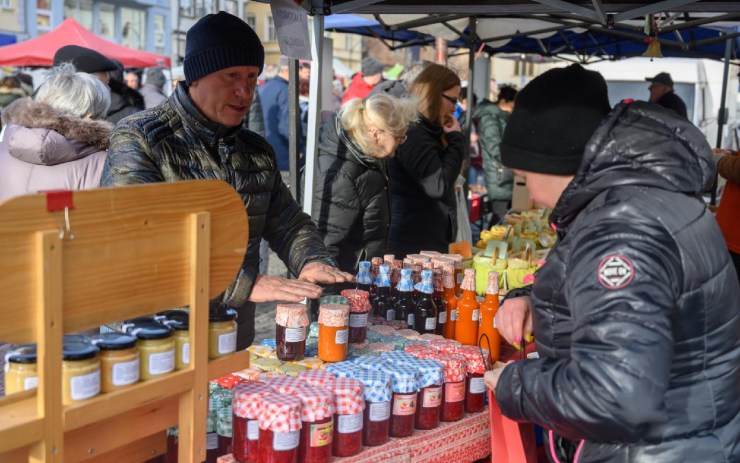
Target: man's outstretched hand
[[268, 288], [318, 272]]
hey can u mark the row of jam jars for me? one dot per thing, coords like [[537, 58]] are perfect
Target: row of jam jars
[[333, 332], [378, 397], [317, 431], [280, 428], [431, 381], [348, 416], [291, 321], [359, 309], [246, 409], [405, 387], [475, 390]]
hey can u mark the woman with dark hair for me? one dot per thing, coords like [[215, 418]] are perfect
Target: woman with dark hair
[[424, 170]]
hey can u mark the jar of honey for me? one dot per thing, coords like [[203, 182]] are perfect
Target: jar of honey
[[119, 360], [291, 321], [80, 369], [221, 331], [156, 348], [333, 332], [179, 321], [20, 373]]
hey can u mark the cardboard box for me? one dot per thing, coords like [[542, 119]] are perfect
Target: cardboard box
[[520, 200]]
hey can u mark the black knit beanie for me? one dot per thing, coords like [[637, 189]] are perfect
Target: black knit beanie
[[554, 117], [219, 41]]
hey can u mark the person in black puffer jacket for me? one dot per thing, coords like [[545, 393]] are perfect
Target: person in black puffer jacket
[[425, 168], [636, 312], [352, 203]]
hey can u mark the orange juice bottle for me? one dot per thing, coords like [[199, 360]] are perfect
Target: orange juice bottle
[[448, 294], [466, 327], [488, 309]]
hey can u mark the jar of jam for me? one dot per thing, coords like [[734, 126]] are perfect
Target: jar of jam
[[453, 403], [359, 310], [179, 321], [156, 348], [431, 381], [317, 430], [378, 397], [119, 360], [343, 369], [224, 429], [80, 369], [318, 378], [20, 373], [285, 384], [475, 388], [221, 331], [280, 428], [246, 410], [348, 417], [333, 332], [405, 387], [291, 321], [418, 350], [397, 357]]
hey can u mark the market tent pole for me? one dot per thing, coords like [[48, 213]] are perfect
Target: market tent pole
[[471, 105], [722, 117], [314, 99], [294, 128]]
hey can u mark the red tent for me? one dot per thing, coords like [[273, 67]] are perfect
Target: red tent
[[40, 51]]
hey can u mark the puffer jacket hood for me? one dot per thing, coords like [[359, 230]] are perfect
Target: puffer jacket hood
[[333, 140]]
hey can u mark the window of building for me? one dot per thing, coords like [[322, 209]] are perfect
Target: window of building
[[107, 20], [43, 16], [159, 33], [187, 8], [81, 11], [5, 4], [270, 32], [133, 30], [252, 21]]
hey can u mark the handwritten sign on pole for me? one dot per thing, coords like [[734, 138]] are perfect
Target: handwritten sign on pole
[[291, 24]]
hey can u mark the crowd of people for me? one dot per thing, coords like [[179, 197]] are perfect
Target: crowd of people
[[643, 367]]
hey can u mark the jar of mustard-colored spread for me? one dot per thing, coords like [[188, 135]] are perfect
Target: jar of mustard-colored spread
[[80, 369], [20, 373], [221, 332], [179, 321], [156, 349], [119, 360]]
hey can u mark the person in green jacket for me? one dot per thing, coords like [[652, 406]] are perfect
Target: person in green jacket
[[491, 120]]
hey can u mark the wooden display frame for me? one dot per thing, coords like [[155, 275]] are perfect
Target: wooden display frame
[[136, 250]]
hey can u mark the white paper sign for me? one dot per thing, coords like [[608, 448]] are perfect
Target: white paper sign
[[291, 25]]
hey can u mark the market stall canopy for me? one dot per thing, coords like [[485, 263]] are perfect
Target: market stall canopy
[[366, 25], [40, 51], [6, 39]]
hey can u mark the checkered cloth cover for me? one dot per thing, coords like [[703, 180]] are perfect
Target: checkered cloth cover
[[285, 384], [269, 342], [455, 365], [397, 357], [343, 369], [439, 344], [377, 385], [473, 355], [404, 378], [280, 413], [318, 402], [320, 378], [348, 399], [371, 363], [246, 402], [415, 349], [359, 300], [431, 372]]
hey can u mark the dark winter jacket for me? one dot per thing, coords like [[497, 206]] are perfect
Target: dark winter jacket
[[351, 200], [174, 141], [637, 309], [9, 95], [275, 109], [491, 123], [124, 102], [672, 101], [423, 174], [255, 118]]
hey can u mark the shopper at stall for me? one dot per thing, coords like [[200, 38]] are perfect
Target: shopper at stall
[[197, 133], [728, 166], [275, 110], [424, 170], [153, 88], [352, 202], [637, 311], [86, 60], [363, 82], [661, 92], [57, 141]]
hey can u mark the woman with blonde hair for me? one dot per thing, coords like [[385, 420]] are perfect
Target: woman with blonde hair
[[352, 202], [423, 173]]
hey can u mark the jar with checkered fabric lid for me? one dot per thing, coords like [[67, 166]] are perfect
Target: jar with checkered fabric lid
[[245, 427], [405, 387], [348, 417], [378, 396], [344, 369], [359, 311], [291, 322], [431, 381], [319, 377], [317, 432], [280, 428], [285, 384], [475, 390], [333, 332]]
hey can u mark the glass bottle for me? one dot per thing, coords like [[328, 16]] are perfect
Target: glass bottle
[[404, 304], [416, 278], [488, 309], [439, 301], [466, 327], [363, 276], [375, 264], [426, 312], [448, 283], [382, 304], [396, 268]]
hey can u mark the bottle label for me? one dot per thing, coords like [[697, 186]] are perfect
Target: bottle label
[[31, 382], [321, 434], [459, 278], [404, 404], [349, 423], [342, 337], [477, 386], [410, 320], [454, 315], [432, 397], [285, 440], [211, 441], [380, 411], [430, 324], [227, 343], [185, 354], [454, 392], [85, 386], [295, 334], [253, 430], [358, 320], [125, 373], [390, 315], [475, 315], [161, 363], [442, 318]]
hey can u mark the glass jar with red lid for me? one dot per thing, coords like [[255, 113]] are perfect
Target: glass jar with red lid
[[453, 395], [280, 428], [359, 310], [475, 389], [405, 387], [284, 384], [245, 428], [348, 417], [319, 378], [317, 432], [431, 381], [378, 397], [291, 321]]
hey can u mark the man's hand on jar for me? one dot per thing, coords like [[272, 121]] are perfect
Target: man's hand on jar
[[268, 288], [318, 272]]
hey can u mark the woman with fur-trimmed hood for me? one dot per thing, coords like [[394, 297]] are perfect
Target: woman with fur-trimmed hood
[[58, 140]]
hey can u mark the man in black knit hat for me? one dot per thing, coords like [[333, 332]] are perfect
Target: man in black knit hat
[[636, 311], [199, 132]]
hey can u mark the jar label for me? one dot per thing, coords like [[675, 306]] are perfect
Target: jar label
[[125, 373], [348, 424], [185, 353], [442, 317], [253, 430], [211, 441], [342, 337], [321, 434], [477, 386], [85, 386], [162, 362], [453, 315], [358, 320], [295, 334], [404, 404], [380, 411], [432, 397], [390, 315], [227, 343], [475, 315], [430, 324], [31, 382], [455, 392], [411, 320], [285, 440]]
